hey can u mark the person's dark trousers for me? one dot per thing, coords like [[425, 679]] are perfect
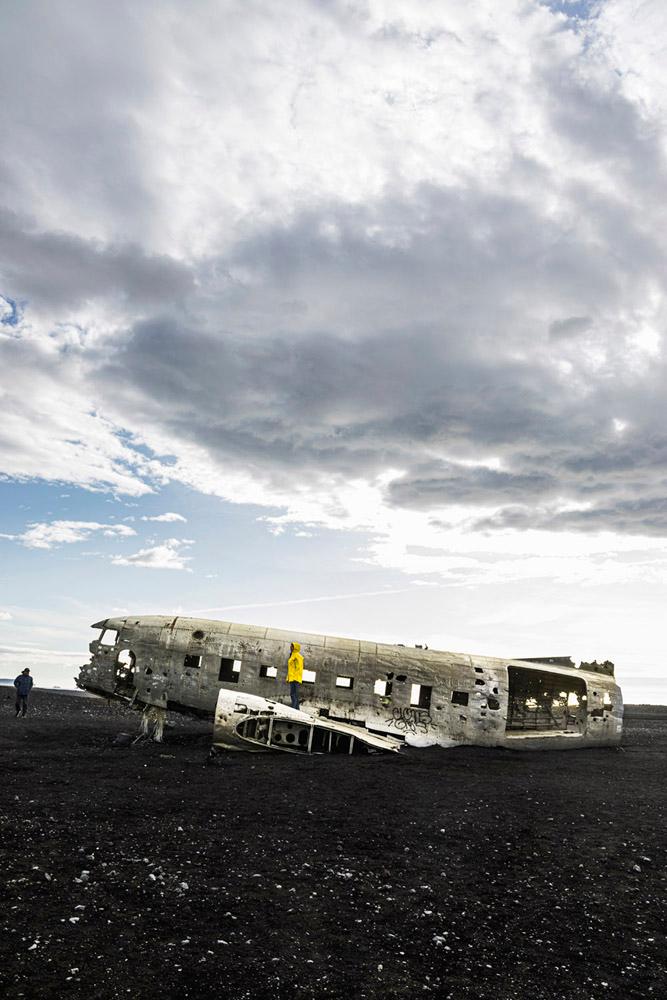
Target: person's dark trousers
[[21, 704], [294, 693]]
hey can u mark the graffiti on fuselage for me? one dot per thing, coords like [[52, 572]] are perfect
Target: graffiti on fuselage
[[410, 720]]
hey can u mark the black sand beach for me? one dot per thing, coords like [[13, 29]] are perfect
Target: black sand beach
[[143, 872]]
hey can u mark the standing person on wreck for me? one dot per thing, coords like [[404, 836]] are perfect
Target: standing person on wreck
[[295, 672], [23, 685]]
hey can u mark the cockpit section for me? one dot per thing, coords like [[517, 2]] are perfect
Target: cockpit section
[[112, 668], [124, 673]]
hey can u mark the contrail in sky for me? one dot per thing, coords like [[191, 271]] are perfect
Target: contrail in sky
[[301, 600]]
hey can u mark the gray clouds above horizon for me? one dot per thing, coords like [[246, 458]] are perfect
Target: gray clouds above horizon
[[477, 303]]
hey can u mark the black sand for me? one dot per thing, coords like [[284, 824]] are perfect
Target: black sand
[[140, 872]]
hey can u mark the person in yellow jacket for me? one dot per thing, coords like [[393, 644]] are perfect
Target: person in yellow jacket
[[295, 673]]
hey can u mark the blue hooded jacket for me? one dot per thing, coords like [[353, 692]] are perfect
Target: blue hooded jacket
[[23, 683]]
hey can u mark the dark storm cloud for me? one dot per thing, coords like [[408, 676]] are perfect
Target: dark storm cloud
[[469, 486], [409, 359], [56, 270], [625, 487], [646, 516], [569, 327]]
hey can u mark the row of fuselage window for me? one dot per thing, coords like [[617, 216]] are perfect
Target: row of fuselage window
[[230, 672]]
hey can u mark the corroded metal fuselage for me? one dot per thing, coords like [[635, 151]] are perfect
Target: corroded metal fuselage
[[424, 696]]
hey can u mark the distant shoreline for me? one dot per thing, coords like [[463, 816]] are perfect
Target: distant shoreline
[[6, 682]]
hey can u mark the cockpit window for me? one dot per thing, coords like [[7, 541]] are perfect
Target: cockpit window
[[109, 637]]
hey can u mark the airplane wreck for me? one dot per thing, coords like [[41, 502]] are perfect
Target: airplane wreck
[[352, 688], [419, 696]]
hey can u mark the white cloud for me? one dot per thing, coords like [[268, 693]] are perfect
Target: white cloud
[[632, 37], [46, 535], [447, 545], [167, 555], [5, 616], [76, 444], [168, 517]]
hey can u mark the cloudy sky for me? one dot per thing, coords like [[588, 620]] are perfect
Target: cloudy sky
[[336, 315]]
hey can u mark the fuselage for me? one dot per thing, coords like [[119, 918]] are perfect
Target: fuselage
[[424, 696]]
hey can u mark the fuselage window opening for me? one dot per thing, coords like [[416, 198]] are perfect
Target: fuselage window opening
[[109, 637], [340, 743], [459, 697], [382, 687], [345, 682], [420, 696], [267, 671], [192, 660], [229, 670], [309, 676]]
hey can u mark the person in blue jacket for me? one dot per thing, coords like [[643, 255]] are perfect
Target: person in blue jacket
[[23, 684]]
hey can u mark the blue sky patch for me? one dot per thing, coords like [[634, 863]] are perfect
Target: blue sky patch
[[10, 312], [578, 9]]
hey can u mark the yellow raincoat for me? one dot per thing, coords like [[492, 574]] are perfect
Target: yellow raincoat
[[295, 665]]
